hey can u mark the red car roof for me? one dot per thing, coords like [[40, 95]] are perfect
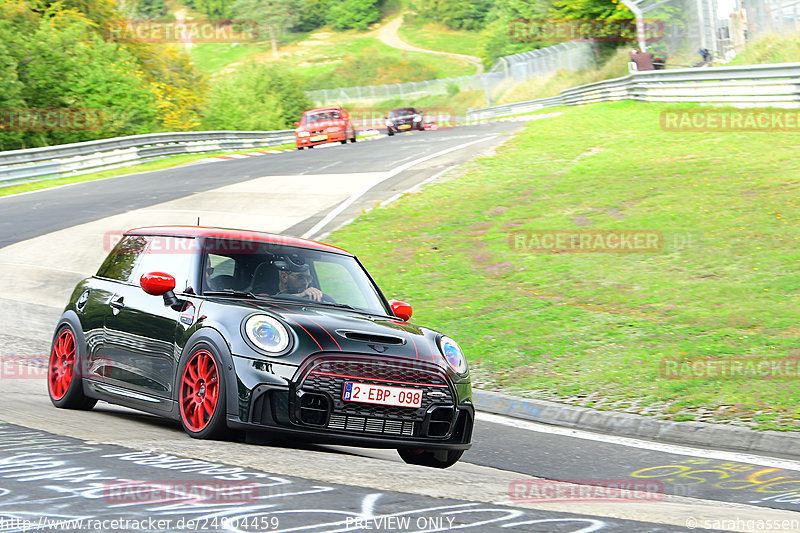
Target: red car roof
[[236, 234], [329, 108]]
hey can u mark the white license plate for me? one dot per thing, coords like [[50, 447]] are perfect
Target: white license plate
[[316, 138], [381, 395]]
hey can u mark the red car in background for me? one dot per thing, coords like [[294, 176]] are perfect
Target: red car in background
[[324, 125]]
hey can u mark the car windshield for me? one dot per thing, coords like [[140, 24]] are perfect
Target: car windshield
[[320, 116], [274, 271], [402, 112]]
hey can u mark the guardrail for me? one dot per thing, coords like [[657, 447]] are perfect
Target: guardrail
[[776, 85], [51, 162]]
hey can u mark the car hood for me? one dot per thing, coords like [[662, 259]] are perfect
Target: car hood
[[322, 125], [335, 330]]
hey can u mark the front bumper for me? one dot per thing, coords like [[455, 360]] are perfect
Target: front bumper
[[311, 407], [405, 126], [329, 138]]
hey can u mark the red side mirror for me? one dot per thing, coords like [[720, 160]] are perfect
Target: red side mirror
[[157, 283], [401, 309], [296, 124]]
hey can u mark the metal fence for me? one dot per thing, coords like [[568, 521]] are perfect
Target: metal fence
[[773, 85], [771, 16], [724, 27], [92, 156], [574, 55]]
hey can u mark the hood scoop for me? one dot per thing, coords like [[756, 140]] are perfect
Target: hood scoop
[[372, 338]]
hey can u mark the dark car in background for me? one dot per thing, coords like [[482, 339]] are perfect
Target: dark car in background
[[324, 125], [404, 119], [229, 331]]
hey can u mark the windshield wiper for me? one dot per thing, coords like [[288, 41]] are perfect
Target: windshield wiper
[[343, 306], [231, 292]]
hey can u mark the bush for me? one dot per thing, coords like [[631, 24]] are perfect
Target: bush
[[373, 68], [255, 97], [353, 14]]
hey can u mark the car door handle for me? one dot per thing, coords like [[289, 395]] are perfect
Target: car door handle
[[118, 303]]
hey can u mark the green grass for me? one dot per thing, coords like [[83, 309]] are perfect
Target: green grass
[[435, 36], [168, 162], [614, 67], [348, 60], [558, 325], [210, 58], [326, 59], [770, 49]]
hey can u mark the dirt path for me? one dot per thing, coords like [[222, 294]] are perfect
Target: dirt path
[[388, 34]]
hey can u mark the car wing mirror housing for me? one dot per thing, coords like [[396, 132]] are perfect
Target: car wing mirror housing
[[401, 309], [161, 284]]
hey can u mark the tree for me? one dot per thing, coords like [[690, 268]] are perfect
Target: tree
[[610, 16], [55, 62], [10, 96], [272, 17], [497, 39], [143, 9], [255, 97], [353, 14], [312, 15], [456, 14], [214, 9], [604, 10]]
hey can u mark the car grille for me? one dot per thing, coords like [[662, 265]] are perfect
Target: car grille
[[327, 378], [371, 425]]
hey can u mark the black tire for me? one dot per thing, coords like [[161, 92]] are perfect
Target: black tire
[[431, 458], [201, 385], [353, 139], [389, 133], [64, 383], [300, 147], [343, 141]]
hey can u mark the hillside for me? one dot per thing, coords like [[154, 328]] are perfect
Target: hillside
[[328, 59]]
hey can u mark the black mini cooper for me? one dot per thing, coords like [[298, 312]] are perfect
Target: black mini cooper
[[229, 330]]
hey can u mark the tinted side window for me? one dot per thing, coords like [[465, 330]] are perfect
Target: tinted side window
[[121, 261], [172, 255]]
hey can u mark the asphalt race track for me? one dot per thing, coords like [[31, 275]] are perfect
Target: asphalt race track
[[114, 469]]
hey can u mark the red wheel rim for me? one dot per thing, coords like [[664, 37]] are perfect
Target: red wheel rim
[[61, 369], [199, 390]]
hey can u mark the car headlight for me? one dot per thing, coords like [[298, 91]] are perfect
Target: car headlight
[[266, 333], [303, 134], [389, 123], [452, 352], [417, 118]]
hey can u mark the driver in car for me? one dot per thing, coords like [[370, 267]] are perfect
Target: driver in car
[[295, 279]]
